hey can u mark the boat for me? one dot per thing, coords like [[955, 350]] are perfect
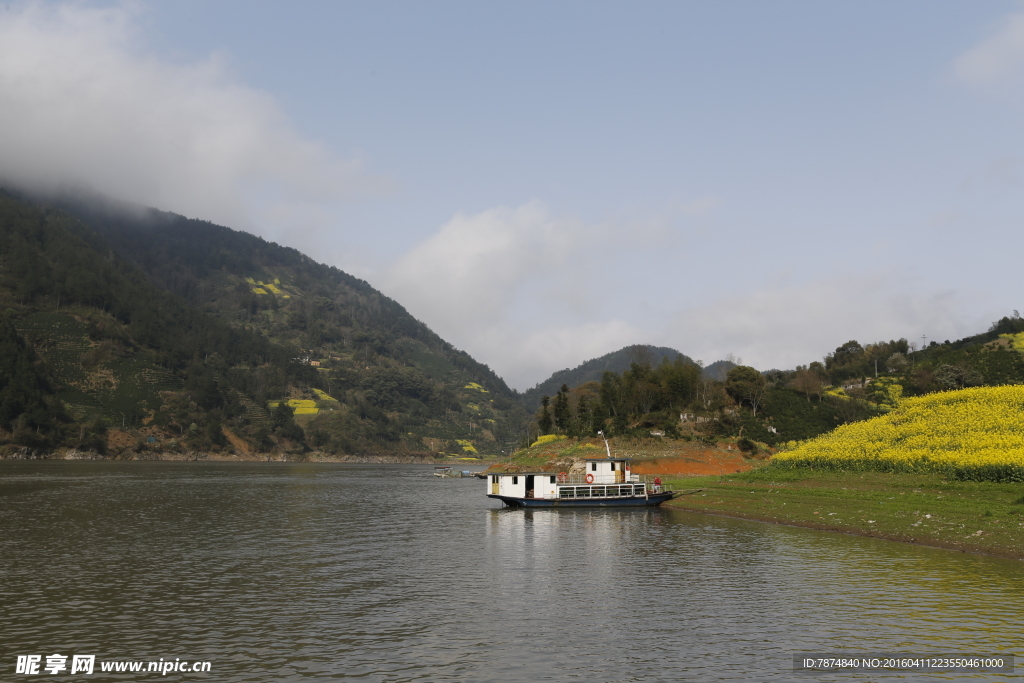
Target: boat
[[604, 482], [445, 471]]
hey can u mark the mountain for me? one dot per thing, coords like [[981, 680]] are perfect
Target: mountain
[[591, 370], [718, 370], [853, 383], [616, 361], [166, 329]]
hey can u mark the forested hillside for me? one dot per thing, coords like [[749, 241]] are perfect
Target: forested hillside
[[853, 383], [183, 334], [138, 331]]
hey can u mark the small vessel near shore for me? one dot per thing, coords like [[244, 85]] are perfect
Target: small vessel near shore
[[452, 473], [446, 471], [604, 482]]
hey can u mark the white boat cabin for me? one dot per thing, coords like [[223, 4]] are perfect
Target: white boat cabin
[[600, 478]]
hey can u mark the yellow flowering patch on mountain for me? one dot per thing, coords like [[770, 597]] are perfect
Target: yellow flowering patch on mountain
[[259, 290], [272, 288], [975, 434], [547, 438], [1016, 340], [476, 387], [887, 392], [250, 281], [300, 406], [467, 446], [323, 395], [304, 406]]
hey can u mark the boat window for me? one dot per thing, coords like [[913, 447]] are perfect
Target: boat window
[[515, 480], [613, 467], [552, 479], [593, 467]]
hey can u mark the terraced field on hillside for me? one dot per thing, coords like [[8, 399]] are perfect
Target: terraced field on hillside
[[92, 383]]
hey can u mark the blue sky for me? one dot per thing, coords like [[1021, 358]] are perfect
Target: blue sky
[[542, 183]]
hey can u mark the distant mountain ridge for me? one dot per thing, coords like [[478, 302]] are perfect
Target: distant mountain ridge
[[616, 361], [591, 370], [719, 369]]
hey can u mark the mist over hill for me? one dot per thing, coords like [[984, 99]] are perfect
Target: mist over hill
[[719, 370], [140, 333], [189, 335]]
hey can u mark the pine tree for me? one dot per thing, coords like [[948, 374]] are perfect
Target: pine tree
[[544, 421], [561, 409]]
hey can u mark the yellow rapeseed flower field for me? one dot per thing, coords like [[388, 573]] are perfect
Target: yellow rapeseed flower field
[[974, 434], [300, 406], [323, 395], [1016, 340], [467, 446], [547, 438], [303, 406]]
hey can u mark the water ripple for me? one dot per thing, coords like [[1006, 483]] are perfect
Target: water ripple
[[278, 572]]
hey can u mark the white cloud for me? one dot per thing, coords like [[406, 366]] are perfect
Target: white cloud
[[786, 326], [82, 104], [485, 282], [525, 356], [998, 61], [528, 291], [475, 267]]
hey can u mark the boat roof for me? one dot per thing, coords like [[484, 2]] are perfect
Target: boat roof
[[551, 472], [606, 459]]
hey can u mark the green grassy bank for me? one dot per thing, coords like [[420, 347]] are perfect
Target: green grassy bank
[[984, 517]]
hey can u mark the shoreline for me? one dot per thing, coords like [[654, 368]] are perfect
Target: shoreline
[[850, 532], [199, 456], [975, 517]]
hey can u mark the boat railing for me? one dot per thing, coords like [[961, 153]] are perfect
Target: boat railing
[[636, 489], [594, 478], [578, 478]]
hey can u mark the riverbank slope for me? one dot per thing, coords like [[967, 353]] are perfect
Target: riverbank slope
[[660, 456], [982, 517], [241, 456]]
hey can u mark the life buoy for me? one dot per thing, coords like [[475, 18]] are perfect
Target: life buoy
[[590, 478], [562, 477]]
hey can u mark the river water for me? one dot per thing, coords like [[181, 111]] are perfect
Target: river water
[[283, 572]]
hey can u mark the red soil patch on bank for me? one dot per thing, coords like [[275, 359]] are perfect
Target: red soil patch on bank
[[695, 463]]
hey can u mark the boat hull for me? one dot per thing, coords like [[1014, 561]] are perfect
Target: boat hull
[[618, 502]]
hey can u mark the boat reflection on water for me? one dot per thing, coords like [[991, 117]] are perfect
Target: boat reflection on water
[[568, 548]]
